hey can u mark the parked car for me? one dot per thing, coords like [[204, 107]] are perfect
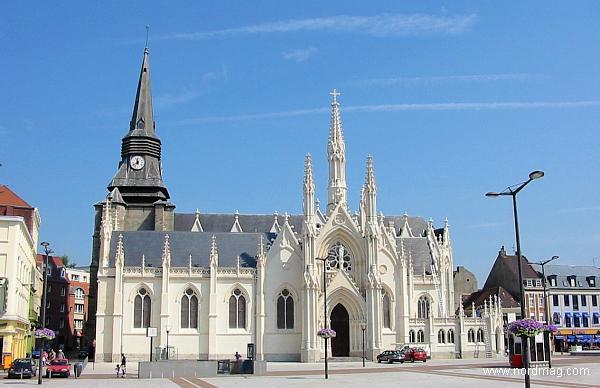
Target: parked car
[[416, 354], [391, 356], [58, 367], [22, 367]]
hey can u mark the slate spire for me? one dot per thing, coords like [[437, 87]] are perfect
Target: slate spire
[[143, 115]]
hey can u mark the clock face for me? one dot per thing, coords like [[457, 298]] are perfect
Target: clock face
[[137, 162]]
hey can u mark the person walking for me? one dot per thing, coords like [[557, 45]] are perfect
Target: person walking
[[123, 365], [237, 356]]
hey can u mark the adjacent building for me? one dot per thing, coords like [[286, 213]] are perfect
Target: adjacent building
[[57, 298], [573, 301], [217, 282], [77, 305], [19, 279], [465, 284], [505, 274]]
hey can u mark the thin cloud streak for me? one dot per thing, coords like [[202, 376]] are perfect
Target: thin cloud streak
[[380, 25], [405, 81], [593, 208], [299, 55], [397, 107]]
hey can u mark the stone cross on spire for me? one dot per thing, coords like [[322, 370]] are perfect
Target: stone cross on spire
[[335, 94]]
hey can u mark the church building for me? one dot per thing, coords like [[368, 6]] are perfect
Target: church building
[[213, 283]]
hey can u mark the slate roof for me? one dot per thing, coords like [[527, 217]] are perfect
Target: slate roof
[[251, 223], [417, 224], [420, 253], [184, 244], [478, 297], [563, 272]]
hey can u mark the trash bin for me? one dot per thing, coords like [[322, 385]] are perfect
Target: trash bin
[[78, 369]]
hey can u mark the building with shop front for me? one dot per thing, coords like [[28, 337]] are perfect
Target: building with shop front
[[573, 303], [77, 306], [19, 297], [212, 283]]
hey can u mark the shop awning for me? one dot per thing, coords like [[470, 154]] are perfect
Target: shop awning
[[568, 315], [596, 315], [561, 337], [571, 338], [585, 315], [577, 315]]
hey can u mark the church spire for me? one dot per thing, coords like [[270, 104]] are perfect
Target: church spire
[[336, 155], [143, 115], [309, 189]]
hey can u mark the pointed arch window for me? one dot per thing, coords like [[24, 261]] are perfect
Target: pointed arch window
[[386, 310], [285, 310], [411, 336], [189, 310], [423, 307], [142, 309], [471, 335], [420, 336], [339, 257], [480, 335], [450, 336], [237, 310], [441, 337]]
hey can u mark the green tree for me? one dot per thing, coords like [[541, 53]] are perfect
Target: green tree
[[66, 262]]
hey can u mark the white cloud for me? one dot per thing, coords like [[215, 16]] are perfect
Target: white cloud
[[399, 107], [404, 81], [585, 209], [299, 55], [378, 25]]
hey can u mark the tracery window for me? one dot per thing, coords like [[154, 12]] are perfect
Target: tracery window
[[411, 336], [441, 337], [339, 257], [237, 310], [142, 308], [189, 310], [471, 335], [480, 336], [420, 336], [386, 310], [423, 307], [285, 310], [450, 336]]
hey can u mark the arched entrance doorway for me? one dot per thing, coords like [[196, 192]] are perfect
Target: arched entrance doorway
[[340, 322]]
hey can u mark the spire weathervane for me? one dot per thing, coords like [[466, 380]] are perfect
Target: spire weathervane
[[335, 94]]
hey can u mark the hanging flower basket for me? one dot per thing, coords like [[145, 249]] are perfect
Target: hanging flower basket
[[551, 329], [528, 327], [326, 333], [45, 333]]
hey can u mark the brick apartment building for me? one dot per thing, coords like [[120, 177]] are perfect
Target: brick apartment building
[[79, 290], [57, 299]]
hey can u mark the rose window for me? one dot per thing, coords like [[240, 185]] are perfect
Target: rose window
[[339, 257]]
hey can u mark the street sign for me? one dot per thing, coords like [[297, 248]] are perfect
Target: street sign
[[151, 332]]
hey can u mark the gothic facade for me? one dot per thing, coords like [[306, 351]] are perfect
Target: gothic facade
[[212, 283]]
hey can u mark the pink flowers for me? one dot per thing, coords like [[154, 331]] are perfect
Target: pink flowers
[[326, 333]]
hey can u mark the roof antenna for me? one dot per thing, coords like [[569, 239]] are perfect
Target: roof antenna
[[147, 33]]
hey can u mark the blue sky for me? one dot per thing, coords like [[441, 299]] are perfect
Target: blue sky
[[452, 99]]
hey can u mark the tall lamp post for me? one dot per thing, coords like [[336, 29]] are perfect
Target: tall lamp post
[[363, 326], [513, 191], [325, 307], [47, 252], [546, 304]]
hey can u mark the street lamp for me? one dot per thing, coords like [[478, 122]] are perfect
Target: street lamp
[[546, 310], [47, 252], [168, 330], [324, 307], [363, 326], [513, 191]]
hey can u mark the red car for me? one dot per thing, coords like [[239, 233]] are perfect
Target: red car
[[416, 354], [58, 367]]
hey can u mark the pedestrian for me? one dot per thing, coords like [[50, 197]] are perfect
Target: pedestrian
[[123, 365], [61, 355], [52, 355], [118, 369], [237, 356]]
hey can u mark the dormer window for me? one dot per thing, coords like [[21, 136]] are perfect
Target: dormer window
[[591, 281], [552, 280], [572, 281]]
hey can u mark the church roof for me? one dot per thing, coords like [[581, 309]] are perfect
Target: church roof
[[183, 244], [420, 253], [251, 223]]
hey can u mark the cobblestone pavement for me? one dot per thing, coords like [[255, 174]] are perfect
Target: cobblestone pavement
[[574, 372]]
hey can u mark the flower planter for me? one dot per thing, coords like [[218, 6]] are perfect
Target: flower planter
[[326, 333]]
